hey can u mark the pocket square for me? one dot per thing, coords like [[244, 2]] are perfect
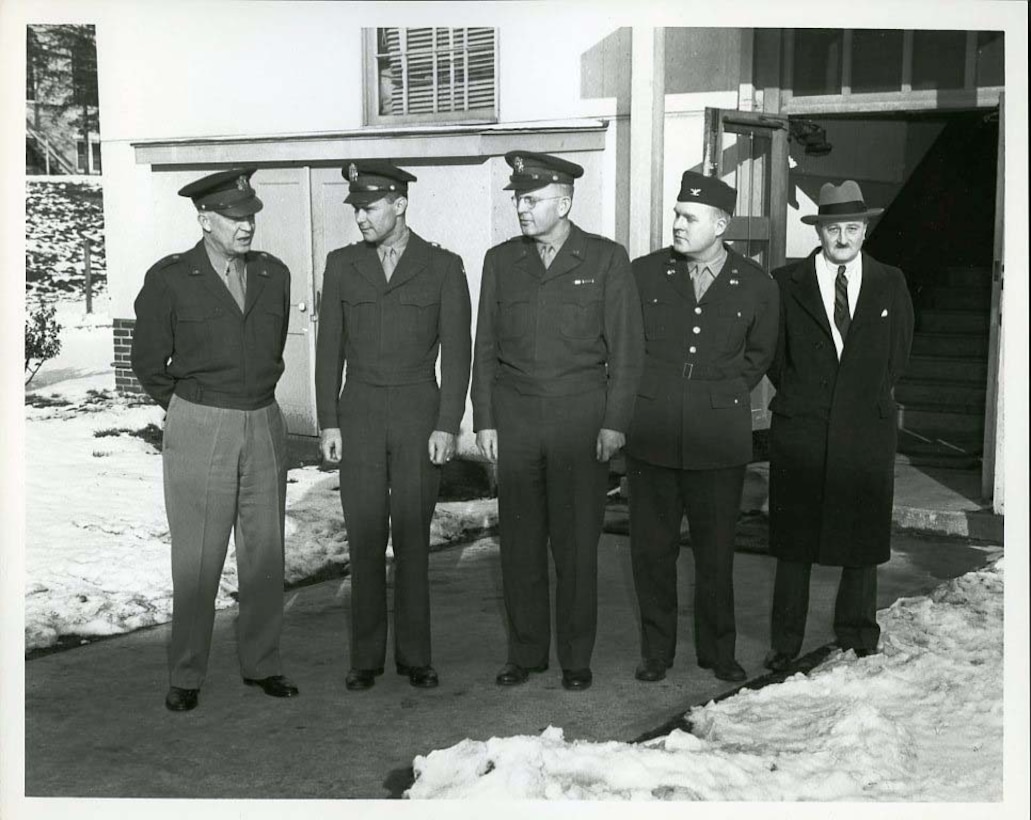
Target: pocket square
[[884, 313]]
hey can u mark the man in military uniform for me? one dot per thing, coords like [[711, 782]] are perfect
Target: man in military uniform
[[710, 318], [211, 325], [389, 304], [558, 353]]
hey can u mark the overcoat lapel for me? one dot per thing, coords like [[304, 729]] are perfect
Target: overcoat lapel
[[368, 265], [871, 294], [200, 265], [807, 292], [413, 260]]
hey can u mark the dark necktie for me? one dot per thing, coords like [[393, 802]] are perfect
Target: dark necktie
[[841, 315]]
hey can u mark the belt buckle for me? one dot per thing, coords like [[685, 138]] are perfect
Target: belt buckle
[[688, 369]]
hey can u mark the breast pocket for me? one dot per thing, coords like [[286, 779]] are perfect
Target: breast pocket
[[196, 331], [360, 316], [513, 318], [581, 315], [658, 318], [736, 319], [419, 315]]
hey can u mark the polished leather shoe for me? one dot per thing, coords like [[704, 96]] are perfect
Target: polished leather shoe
[[275, 686], [652, 669], [576, 680], [729, 671], [864, 653], [512, 674], [358, 679], [778, 661], [181, 700], [421, 677]]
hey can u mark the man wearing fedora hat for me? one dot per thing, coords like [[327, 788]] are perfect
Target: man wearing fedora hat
[[390, 304], [846, 326], [558, 354], [710, 321], [211, 325]]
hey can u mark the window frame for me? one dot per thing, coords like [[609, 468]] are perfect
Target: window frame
[[371, 91]]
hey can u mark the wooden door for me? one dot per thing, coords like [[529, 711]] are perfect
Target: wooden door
[[992, 393], [284, 230], [749, 150]]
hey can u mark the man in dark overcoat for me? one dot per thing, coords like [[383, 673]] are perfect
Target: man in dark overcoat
[[210, 329], [558, 353], [846, 326], [390, 304], [710, 322]]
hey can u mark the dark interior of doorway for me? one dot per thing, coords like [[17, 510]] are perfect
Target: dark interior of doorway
[[939, 229]]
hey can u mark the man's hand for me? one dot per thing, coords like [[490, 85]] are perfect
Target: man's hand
[[332, 444], [608, 444], [487, 442], [442, 446]]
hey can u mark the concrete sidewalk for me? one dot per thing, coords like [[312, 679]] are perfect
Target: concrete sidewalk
[[96, 725]]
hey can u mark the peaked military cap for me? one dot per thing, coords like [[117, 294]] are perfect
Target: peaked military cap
[[531, 171], [372, 179], [708, 191], [225, 192]]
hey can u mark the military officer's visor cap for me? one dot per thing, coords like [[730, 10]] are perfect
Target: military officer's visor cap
[[531, 171], [226, 192], [708, 191], [372, 179]]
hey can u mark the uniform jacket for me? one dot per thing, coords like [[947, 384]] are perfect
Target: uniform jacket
[[575, 326], [389, 333], [834, 429], [703, 358], [192, 339]]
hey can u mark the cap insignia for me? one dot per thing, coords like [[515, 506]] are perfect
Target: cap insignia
[[352, 172], [517, 163], [241, 183], [696, 191]]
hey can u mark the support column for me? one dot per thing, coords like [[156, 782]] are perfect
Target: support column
[[647, 126]]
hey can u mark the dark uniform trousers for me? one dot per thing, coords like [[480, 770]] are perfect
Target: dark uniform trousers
[[711, 499], [388, 485], [551, 488], [225, 471]]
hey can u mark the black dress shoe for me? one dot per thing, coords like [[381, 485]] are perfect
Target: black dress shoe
[[358, 679], [421, 677], [576, 680], [864, 653], [652, 669], [778, 661], [181, 700], [512, 674], [275, 686], [729, 671]]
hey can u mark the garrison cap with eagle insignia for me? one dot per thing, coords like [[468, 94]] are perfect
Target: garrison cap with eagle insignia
[[708, 191], [531, 171], [372, 179], [225, 192]]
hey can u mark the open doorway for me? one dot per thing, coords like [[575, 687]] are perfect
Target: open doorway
[[935, 174]]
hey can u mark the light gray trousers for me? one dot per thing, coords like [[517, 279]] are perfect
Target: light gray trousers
[[224, 469]]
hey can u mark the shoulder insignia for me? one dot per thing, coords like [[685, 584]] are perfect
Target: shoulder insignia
[[166, 261]]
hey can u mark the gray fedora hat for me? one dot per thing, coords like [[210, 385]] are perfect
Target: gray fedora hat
[[841, 202]]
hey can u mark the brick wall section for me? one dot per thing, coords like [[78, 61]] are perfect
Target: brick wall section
[[125, 380]]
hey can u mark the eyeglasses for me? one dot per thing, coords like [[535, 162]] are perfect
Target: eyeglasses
[[531, 201]]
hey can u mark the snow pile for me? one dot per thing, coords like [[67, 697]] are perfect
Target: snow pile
[[58, 216], [923, 720]]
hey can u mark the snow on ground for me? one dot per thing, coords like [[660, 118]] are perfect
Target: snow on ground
[[97, 546], [921, 721]]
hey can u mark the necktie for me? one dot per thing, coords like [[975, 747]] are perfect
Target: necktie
[[235, 282], [547, 253], [389, 262], [842, 318], [701, 278]]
